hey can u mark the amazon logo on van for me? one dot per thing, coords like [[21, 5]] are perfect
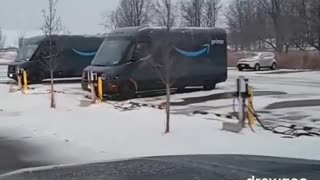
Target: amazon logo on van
[[81, 53], [216, 41], [202, 52], [193, 54]]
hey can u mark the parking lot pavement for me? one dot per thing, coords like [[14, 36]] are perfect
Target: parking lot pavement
[[271, 88], [14, 154], [281, 96]]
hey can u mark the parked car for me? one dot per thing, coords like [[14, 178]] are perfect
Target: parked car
[[126, 59], [257, 61]]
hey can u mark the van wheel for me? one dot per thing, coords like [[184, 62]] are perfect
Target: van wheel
[[257, 67], [274, 66], [209, 86], [35, 79], [127, 91], [240, 69]]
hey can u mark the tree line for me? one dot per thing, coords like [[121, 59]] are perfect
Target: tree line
[[251, 24], [282, 24], [145, 12]]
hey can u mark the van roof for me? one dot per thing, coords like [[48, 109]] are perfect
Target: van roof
[[132, 31]]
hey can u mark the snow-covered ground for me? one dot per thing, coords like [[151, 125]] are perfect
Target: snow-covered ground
[[78, 132], [108, 134]]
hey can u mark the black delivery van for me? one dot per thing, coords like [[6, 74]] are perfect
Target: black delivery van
[[132, 60], [71, 54]]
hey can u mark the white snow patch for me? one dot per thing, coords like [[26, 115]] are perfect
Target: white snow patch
[[109, 134]]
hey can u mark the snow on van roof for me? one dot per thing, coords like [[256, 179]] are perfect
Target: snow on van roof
[[180, 28], [143, 28]]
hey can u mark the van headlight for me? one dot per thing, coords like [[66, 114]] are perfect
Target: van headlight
[[104, 76]]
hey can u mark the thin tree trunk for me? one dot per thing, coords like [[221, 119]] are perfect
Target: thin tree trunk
[[53, 103], [287, 46], [168, 108], [260, 44], [318, 40], [279, 43]]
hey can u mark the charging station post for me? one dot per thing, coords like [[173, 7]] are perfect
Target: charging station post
[[242, 95], [25, 81], [92, 77], [19, 77]]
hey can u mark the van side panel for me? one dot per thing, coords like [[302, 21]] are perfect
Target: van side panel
[[71, 55], [197, 57]]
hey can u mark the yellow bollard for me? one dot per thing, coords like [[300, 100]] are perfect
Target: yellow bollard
[[100, 89], [25, 82], [251, 116]]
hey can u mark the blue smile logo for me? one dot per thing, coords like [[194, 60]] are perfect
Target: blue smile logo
[[87, 54], [194, 54]]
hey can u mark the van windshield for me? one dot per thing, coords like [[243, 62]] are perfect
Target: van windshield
[[26, 52], [110, 52]]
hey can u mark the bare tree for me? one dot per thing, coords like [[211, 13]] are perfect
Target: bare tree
[[315, 23], [21, 39], [112, 20], [192, 12], [130, 13], [310, 20], [163, 63], [165, 13], [249, 25], [163, 60], [282, 24], [234, 21], [295, 22], [241, 19], [274, 8], [51, 27], [212, 10], [2, 39]]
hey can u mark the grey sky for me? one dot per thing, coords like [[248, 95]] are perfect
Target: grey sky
[[79, 16]]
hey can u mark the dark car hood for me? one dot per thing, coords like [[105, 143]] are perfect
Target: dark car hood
[[204, 167]]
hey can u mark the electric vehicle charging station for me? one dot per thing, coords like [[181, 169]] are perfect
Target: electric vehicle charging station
[[19, 75], [92, 77], [242, 94]]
